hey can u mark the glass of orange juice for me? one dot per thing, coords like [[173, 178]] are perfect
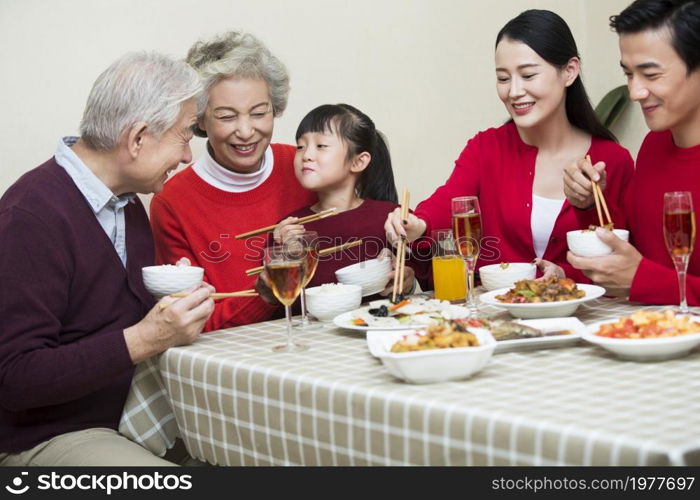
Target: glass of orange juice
[[448, 267]]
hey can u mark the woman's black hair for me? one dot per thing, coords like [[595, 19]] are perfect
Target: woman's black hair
[[682, 17], [550, 37], [376, 182]]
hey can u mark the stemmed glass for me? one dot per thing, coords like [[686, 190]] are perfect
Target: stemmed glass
[[679, 235], [466, 227], [284, 266], [310, 242]]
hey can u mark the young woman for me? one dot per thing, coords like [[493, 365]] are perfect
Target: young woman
[[235, 186], [344, 159], [517, 169]]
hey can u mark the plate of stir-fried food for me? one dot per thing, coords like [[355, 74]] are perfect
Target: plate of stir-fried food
[[543, 298], [647, 335], [437, 353]]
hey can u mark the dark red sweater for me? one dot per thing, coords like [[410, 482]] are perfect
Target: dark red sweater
[[661, 167], [65, 300]]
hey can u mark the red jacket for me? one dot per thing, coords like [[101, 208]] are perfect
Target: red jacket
[[499, 168]]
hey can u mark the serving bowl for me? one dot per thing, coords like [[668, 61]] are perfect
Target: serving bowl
[[495, 276], [372, 275], [164, 280], [644, 349], [585, 243], [431, 365], [325, 302], [535, 310]]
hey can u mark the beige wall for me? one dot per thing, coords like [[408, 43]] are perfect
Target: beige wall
[[422, 69]]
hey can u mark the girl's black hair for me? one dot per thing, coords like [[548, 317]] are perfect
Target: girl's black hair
[[550, 37], [682, 17], [376, 182]]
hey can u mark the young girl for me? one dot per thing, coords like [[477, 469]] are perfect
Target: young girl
[[344, 159]]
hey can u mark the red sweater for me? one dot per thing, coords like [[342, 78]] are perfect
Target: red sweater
[[661, 167], [365, 222], [499, 168], [190, 218]]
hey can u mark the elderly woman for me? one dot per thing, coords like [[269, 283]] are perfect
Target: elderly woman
[[241, 182]]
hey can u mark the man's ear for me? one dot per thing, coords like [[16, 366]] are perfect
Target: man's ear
[[360, 162], [135, 137]]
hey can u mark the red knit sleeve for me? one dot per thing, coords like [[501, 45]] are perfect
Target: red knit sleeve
[[171, 244], [654, 283], [465, 180]]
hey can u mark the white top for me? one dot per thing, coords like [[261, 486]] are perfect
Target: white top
[[108, 208], [212, 173], [544, 214]]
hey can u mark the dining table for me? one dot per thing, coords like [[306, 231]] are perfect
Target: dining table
[[235, 402]]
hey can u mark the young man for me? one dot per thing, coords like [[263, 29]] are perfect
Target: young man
[[75, 316], [660, 55]]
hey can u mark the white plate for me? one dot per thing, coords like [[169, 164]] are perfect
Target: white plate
[[432, 365], [345, 320], [543, 309], [379, 341], [574, 325], [653, 349]]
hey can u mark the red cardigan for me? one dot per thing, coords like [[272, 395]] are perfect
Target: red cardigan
[[499, 168], [190, 218], [661, 167]]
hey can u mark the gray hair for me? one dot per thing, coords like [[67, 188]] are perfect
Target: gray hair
[[238, 55], [138, 87]]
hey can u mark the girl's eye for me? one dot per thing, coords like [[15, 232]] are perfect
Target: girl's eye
[[321, 146], [300, 148], [502, 79], [530, 76]]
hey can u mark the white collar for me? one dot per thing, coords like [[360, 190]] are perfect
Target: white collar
[[211, 172]]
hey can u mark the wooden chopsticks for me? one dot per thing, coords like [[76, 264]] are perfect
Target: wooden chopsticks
[[321, 253], [309, 218], [401, 250], [600, 201], [222, 295]]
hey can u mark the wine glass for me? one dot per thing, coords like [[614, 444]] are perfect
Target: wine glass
[[310, 242], [284, 266], [466, 228], [679, 235]]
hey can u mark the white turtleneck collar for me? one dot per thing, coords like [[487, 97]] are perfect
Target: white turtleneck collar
[[233, 182]]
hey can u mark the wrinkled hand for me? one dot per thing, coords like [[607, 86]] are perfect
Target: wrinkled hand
[[287, 229], [577, 182], [172, 322], [409, 276], [616, 270], [395, 227], [549, 270]]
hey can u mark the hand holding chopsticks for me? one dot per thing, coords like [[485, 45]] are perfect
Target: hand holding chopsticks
[[326, 251], [401, 250], [222, 295], [309, 218]]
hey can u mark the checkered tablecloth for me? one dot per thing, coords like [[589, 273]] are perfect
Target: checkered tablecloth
[[234, 402]]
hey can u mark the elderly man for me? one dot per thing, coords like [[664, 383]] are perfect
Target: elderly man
[[74, 314], [660, 55]]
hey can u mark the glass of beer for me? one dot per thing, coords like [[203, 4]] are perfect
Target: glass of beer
[[466, 227], [310, 241], [679, 235], [285, 266], [448, 267]]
